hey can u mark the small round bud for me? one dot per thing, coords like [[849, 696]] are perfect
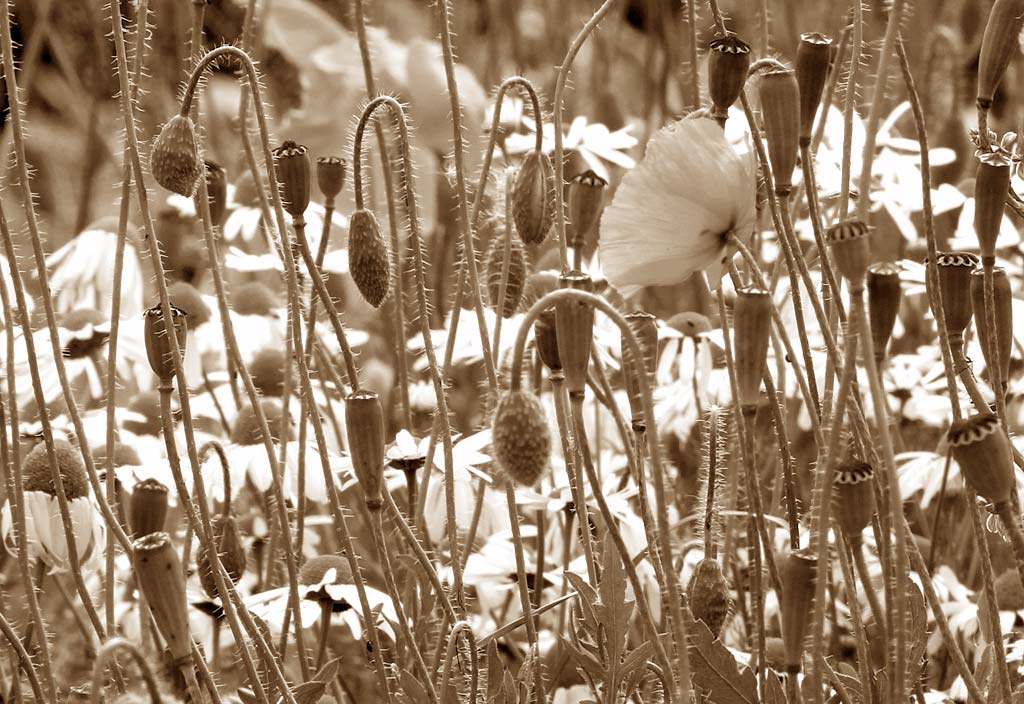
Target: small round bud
[[174, 160], [780, 110], [709, 595], [728, 63], [330, 175], [254, 298], [533, 197], [292, 165], [186, 298], [369, 260], [269, 369], [521, 439], [983, 452]]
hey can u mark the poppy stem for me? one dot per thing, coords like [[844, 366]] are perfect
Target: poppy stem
[[326, 611], [523, 586], [988, 585]]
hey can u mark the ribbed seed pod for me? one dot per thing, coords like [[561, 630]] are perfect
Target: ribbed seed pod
[[330, 175], [369, 260], [216, 191], [1003, 300], [854, 497], [645, 328], [174, 160], [521, 439], [954, 270], [574, 321], [158, 346], [798, 573], [780, 110], [586, 201], [752, 323], [813, 56], [231, 550], [983, 452], [291, 162], [728, 63], [533, 197], [516, 275], [851, 250], [884, 294], [708, 592], [147, 511], [158, 571], [364, 424], [998, 45], [991, 184], [546, 339]]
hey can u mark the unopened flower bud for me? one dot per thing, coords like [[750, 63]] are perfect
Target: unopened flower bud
[[780, 110], [364, 423], [520, 437], [369, 260], [728, 63], [158, 345], [999, 44], [516, 280], [752, 323], [708, 592], [291, 162], [174, 160], [533, 197], [330, 176]]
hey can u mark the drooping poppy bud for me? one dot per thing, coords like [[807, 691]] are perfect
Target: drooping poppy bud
[[780, 110], [364, 423], [174, 160], [158, 345], [292, 166], [520, 437], [708, 592], [998, 45], [728, 63], [798, 572], [854, 497], [330, 176], [884, 295], [851, 250], [533, 197], [369, 260], [1003, 301], [574, 321], [516, 280], [158, 571], [813, 56], [983, 452], [586, 201], [752, 322]]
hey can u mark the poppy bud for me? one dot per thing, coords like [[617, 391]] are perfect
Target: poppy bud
[[147, 511], [330, 176], [174, 160], [520, 437], [364, 423], [645, 328], [159, 575], [1003, 300], [546, 339], [586, 200], [851, 250], [752, 322], [954, 274], [574, 322], [369, 260], [780, 110], [728, 63], [998, 46], [798, 573], [884, 294], [812, 62], [709, 595], [158, 346], [516, 275], [216, 192], [983, 452], [854, 497], [991, 184], [231, 550], [533, 197], [291, 161]]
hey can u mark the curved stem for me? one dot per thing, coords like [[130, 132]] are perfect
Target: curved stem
[[225, 468], [461, 628], [107, 654], [23, 659]]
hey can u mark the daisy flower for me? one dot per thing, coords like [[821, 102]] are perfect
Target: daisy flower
[[596, 145]]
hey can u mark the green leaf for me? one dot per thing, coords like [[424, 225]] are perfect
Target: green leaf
[[773, 691], [586, 662], [716, 671], [637, 658], [496, 670], [588, 597], [412, 688]]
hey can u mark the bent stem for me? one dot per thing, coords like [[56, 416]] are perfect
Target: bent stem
[[107, 654], [464, 629], [524, 591], [988, 585]]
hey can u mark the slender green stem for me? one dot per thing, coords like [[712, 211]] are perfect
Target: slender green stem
[[523, 587], [988, 587]]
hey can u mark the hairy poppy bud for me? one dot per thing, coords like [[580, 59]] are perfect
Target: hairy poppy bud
[[147, 511], [521, 439], [812, 60], [533, 197], [574, 321], [752, 323], [158, 571], [728, 63], [369, 260], [291, 162], [330, 176], [709, 595], [998, 45], [884, 294], [780, 110], [158, 346], [586, 200], [854, 497], [516, 275], [851, 250], [228, 540], [216, 192], [645, 328], [1003, 301], [546, 338], [798, 572], [983, 452], [954, 274], [364, 423], [991, 184], [174, 160]]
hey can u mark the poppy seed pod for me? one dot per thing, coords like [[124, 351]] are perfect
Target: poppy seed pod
[[853, 497], [495, 261], [983, 452], [752, 322], [1003, 300], [364, 424], [884, 294], [174, 160], [954, 274], [158, 571], [998, 46], [231, 550], [780, 111], [369, 260], [533, 197], [291, 162], [813, 56], [158, 346], [851, 250], [147, 511], [574, 323], [546, 339], [728, 63], [586, 200], [708, 592], [991, 184], [521, 439], [330, 176], [798, 572], [645, 328], [216, 192]]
